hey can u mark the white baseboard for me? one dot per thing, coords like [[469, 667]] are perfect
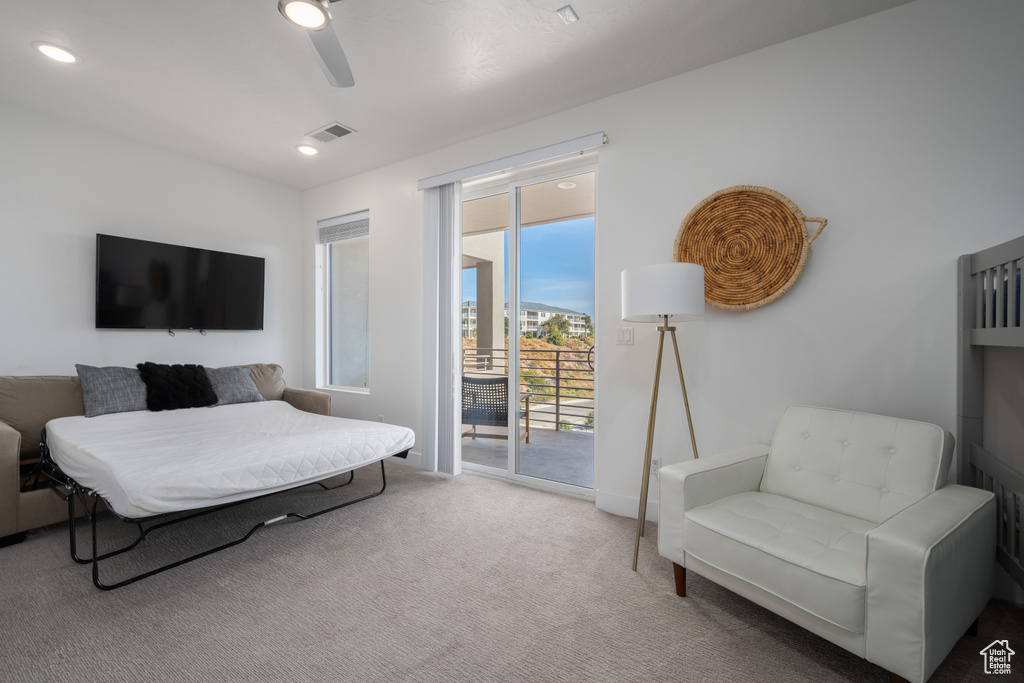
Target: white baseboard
[[625, 506], [614, 503], [414, 459]]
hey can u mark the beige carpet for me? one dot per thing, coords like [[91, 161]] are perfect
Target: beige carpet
[[439, 579]]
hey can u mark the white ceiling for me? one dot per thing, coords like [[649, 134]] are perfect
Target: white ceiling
[[232, 83]]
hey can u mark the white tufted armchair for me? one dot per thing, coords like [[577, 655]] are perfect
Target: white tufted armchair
[[846, 527]]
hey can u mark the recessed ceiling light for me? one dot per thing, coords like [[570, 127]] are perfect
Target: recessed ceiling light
[[311, 14], [568, 14], [58, 54], [308, 150], [566, 185]]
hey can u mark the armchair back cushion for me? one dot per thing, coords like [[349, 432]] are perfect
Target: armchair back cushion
[[864, 466]]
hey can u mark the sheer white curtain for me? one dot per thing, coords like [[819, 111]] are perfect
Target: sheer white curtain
[[442, 270]]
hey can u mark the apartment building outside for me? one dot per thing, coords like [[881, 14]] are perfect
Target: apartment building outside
[[531, 316]]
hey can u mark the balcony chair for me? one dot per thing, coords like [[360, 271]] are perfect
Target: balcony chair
[[485, 403], [845, 526]]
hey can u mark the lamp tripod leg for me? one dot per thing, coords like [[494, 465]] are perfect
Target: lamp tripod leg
[[686, 401], [641, 517]]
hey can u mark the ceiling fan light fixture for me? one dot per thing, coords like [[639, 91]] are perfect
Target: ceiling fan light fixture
[[309, 14], [56, 53], [308, 150]]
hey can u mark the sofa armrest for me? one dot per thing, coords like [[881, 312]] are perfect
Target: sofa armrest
[[309, 400], [687, 485], [10, 457], [929, 575]]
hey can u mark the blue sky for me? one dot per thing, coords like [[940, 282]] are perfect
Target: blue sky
[[557, 266]]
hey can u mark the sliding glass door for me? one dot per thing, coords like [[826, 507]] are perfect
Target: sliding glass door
[[528, 327]]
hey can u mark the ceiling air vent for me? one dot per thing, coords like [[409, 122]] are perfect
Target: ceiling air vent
[[331, 131]]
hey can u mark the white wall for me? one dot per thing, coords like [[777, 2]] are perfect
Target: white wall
[[60, 184], [904, 129]]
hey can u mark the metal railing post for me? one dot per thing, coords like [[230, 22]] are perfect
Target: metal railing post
[[477, 360], [558, 389]]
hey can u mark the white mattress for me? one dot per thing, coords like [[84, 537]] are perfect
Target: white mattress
[[146, 463]]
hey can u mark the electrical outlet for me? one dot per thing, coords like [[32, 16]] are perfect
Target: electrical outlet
[[380, 418], [655, 466]]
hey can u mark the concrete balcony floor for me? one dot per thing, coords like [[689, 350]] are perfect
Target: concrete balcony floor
[[555, 455]]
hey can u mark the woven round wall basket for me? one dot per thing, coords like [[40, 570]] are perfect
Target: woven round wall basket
[[753, 244]]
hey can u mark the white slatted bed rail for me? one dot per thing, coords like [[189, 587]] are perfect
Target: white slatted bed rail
[[989, 314]]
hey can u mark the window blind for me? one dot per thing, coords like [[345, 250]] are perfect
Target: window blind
[[345, 227]]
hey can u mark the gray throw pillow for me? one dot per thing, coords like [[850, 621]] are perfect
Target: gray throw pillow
[[111, 390], [233, 385]]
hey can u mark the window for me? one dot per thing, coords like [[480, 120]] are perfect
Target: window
[[345, 245]]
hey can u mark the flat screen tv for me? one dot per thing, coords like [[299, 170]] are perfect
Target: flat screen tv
[[151, 285]]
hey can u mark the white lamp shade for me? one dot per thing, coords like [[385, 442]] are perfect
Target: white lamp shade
[[676, 290]]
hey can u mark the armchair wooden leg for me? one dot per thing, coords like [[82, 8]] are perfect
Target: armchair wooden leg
[[972, 630], [895, 678], [680, 573]]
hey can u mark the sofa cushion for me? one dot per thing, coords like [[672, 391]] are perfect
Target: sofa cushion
[[111, 390], [171, 387], [268, 378], [867, 466], [27, 403], [233, 385], [809, 556]]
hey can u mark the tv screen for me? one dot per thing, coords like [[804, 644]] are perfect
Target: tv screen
[[150, 285]]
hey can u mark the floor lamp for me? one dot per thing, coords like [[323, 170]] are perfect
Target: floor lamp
[[659, 293]]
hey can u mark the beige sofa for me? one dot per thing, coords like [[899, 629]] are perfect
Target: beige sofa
[[28, 403]]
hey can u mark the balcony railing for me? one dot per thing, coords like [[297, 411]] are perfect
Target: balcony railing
[[560, 383]]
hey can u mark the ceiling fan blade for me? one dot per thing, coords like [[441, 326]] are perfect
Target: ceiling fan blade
[[331, 57]]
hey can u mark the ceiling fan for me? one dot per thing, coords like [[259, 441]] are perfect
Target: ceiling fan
[[314, 16]]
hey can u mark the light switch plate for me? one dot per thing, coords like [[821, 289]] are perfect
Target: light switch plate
[[624, 336]]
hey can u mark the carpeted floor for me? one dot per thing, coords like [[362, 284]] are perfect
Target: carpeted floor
[[439, 579]]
